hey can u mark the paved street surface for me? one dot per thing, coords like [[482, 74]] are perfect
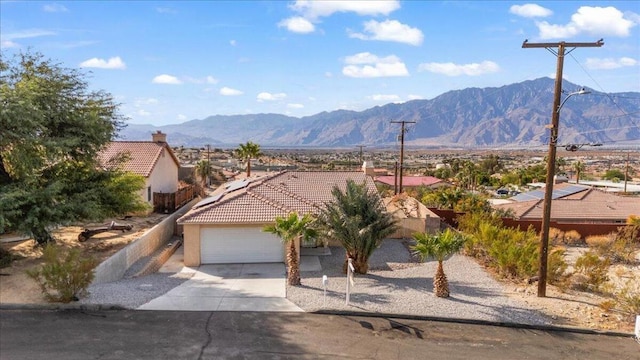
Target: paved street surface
[[74, 334]]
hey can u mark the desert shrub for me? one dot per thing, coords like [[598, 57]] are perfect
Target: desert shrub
[[556, 236], [607, 305], [594, 269], [63, 277], [573, 237], [6, 258], [600, 243], [556, 267], [629, 298]]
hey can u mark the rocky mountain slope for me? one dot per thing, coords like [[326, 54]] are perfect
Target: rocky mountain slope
[[511, 115]]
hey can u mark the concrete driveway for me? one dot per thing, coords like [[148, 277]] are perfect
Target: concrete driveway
[[229, 287]]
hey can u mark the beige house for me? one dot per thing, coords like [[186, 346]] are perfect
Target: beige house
[[574, 204], [152, 159], [227, 227]]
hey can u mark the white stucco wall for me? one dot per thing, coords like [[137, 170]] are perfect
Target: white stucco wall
[[164, 177]]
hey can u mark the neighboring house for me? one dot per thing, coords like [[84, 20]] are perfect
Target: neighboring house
[[227, 227], [574, 204], [152, 159], [413, 181]]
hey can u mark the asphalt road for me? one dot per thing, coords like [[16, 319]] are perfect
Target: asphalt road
[[75, 334]]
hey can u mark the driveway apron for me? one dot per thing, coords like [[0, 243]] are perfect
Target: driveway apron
[[229, 287]]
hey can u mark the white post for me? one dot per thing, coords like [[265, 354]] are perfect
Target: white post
[[350, 270], [325, 281], [638, 327]]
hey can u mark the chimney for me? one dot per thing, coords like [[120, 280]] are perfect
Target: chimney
[[159, 137], [368, 169]]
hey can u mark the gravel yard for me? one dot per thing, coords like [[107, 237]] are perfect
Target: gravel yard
[[396, 283]]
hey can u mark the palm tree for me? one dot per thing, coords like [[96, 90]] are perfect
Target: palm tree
[[357, 219], [578, 166], [203, 170], [247, 152], [439, 246], [290, 229]]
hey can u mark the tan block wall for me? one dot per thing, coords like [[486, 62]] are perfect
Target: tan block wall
[[191, 245]]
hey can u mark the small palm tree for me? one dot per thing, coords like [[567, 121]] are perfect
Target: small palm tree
[[438, 246], [578, 166], [290, 229], [358, 219], [203, 170], [248, 151]]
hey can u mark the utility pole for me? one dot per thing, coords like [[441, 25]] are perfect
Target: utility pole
[[361, 146], [208, 165], [626, 174], [402, 131], [553, 139]]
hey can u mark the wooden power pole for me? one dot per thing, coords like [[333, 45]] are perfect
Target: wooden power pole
[[402, 131], [551, 158]]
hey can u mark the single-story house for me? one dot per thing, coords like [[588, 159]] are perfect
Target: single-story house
[[154, 160], [572, 203], [227, 227]]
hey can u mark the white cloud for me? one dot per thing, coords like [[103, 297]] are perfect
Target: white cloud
[[206, 80], [26, 34], [451, 69], [316, 9], [295, 106], [610, 63], [166, 79], [599, 21], [265, 96], [233, 43], [298, 25], [145, 101], [530, 10], [165, 10], [415, 97], [328, 74], [383, 97], [112, 63], [226, 91], [182, 117], [390, 30], [142, 112], [367, 65], [54, 8], [211, 80], [5, 44]]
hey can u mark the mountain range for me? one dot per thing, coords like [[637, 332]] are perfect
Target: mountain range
[[514, 115]]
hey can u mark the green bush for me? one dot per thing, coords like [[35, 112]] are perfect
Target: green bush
[[556, 267], [6, 258], [63, 277], [629, 299], [594, 269]]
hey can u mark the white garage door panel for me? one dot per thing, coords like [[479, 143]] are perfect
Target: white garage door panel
[[239, 245]]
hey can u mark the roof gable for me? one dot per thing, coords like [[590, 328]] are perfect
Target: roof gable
[[142, 155]]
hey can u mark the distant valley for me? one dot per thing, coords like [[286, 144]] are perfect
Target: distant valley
[[509, 116]]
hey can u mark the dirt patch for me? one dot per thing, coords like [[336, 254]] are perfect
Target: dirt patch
[[17, 287]]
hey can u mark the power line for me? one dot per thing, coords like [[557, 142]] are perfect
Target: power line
[[402, 131]]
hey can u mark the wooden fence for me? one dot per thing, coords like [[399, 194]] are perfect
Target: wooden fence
[[170, 202]]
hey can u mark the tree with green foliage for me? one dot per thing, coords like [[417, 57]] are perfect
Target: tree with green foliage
[[438, 246], [203, 171], [578, 167], [613, 175], [248, 151], [53, 128], [357, 218], [290, 229]]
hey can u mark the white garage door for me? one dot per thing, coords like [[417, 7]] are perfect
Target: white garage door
[[239, 245]]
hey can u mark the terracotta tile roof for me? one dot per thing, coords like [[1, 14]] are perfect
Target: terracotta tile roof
[[143, 155], [274, 195], [410, 180], [589, 205]]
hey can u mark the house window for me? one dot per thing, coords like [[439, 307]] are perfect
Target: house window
[[149, 193]]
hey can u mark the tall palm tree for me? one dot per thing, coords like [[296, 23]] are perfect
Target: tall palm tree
[[290, 229], [578, 166], [203, 170], [438, 246], [358, 219], [248, 151]]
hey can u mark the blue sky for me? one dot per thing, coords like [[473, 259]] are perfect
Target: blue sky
[[169, 62]]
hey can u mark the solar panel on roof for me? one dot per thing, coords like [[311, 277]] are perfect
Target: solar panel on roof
[[556, 194], [236, 185], [207, 201]]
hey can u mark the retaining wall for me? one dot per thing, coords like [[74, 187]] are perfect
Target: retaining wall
[[114, 268]]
